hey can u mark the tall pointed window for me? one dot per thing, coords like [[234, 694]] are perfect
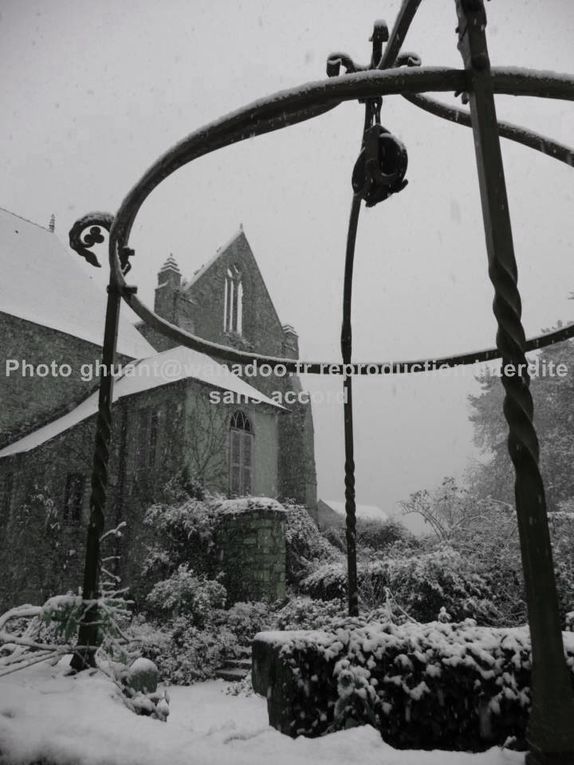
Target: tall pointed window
[[233, 301], [240, 455], [150, 423], [74, 497]]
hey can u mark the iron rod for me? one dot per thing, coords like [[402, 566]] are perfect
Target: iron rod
[[515, 133], [346, 351], [403, 22]]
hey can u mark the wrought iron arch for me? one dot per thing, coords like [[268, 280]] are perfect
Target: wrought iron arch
[[379, 172]]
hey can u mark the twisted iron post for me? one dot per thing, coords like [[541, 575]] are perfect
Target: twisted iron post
[[88, 633], [551, 726]]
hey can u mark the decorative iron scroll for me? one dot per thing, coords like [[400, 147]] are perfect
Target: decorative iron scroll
[[87, 232]]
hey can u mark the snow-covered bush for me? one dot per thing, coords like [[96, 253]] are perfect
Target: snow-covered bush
[[374, 536], [183, 653], [306, 546], [424, 686], [562, 533], [303, 613], [420, 584], [179, 534], [244, 620], [186, 594], [382, 535]]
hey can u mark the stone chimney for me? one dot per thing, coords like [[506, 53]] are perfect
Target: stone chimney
[[290, 342], [167, 290]]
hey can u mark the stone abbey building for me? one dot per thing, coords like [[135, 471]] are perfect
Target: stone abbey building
[[176, 411]]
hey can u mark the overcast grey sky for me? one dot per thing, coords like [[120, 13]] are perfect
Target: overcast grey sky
[[92, 92]]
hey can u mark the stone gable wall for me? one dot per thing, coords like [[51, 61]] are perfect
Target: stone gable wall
[[199, 308]]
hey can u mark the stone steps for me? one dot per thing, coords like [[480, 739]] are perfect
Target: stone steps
[[231, 674], [235, 670]]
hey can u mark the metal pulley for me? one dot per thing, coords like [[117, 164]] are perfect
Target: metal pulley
[[380, 169]]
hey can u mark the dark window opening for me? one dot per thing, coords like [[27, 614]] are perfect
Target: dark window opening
[[240, 455], [74, 499]]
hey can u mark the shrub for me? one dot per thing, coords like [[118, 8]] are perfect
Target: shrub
[[302, 613], [179, 534], [244, 620], [562, 532], [424, 686], [305, 544], [421, 585], [381, 535], [336, 535], [183, 653], [187, 595]]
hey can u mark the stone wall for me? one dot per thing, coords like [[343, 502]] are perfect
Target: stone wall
[[251, 540], [42, 553]]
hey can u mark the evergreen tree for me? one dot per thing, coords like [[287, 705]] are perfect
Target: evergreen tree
[[552, 386]]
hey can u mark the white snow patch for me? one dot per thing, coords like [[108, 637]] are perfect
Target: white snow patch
[[80, 719], [241, 505]]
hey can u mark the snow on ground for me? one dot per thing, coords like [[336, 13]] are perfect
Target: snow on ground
[[80, 720]]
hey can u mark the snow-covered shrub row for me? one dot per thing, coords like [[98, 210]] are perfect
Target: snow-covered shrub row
[[421, 584], [423, 686]]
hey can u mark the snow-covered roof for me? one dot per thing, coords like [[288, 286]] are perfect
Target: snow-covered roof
[[43, 283], [364, 512], [146, 374]]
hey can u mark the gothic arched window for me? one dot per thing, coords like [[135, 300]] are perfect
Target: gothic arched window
[[240, 455], [233, 301]]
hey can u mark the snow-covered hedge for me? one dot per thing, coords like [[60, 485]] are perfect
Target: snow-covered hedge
[[421, 584], [423, 686]]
